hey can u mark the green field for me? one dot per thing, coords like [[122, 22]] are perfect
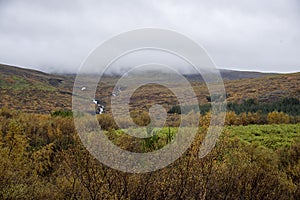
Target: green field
[[272, 136]]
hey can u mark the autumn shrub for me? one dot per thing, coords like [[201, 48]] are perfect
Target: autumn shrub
[[231, 118], [141, 118], [42, 157], [7, 113], [276, 117], [106, 121]]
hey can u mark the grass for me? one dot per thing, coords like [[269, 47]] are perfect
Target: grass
[[18, 83], [272, 136]]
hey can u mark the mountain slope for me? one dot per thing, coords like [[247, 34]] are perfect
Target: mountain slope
[[232, 75], [13, 77], [35, 91]]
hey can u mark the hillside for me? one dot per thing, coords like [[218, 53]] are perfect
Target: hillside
[[35, 91], [15, 78], [233, 75]]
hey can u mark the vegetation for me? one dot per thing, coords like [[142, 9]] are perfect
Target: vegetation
[[288, 105], [256, 157], [275, 136], [62, 113], [42, 158], [38, 92]]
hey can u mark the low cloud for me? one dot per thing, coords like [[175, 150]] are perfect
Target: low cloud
[[56, 36]]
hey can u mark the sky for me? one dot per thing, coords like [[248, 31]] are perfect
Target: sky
[[57, 36]]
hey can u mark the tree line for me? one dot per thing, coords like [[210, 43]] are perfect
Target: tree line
[[288, 105]]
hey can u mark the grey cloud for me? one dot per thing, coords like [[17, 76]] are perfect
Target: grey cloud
[[58, 35]]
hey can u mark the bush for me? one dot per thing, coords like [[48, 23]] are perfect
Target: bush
[[278, 118], [107, 122], [62, 113]]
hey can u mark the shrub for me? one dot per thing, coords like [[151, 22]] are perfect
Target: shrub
[[107, 122], [62, 113], [278, 118]]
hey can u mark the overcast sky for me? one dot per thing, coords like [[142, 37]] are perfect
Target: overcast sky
[[57, 35]]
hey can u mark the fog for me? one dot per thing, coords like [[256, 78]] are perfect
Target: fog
[[57, 36]]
